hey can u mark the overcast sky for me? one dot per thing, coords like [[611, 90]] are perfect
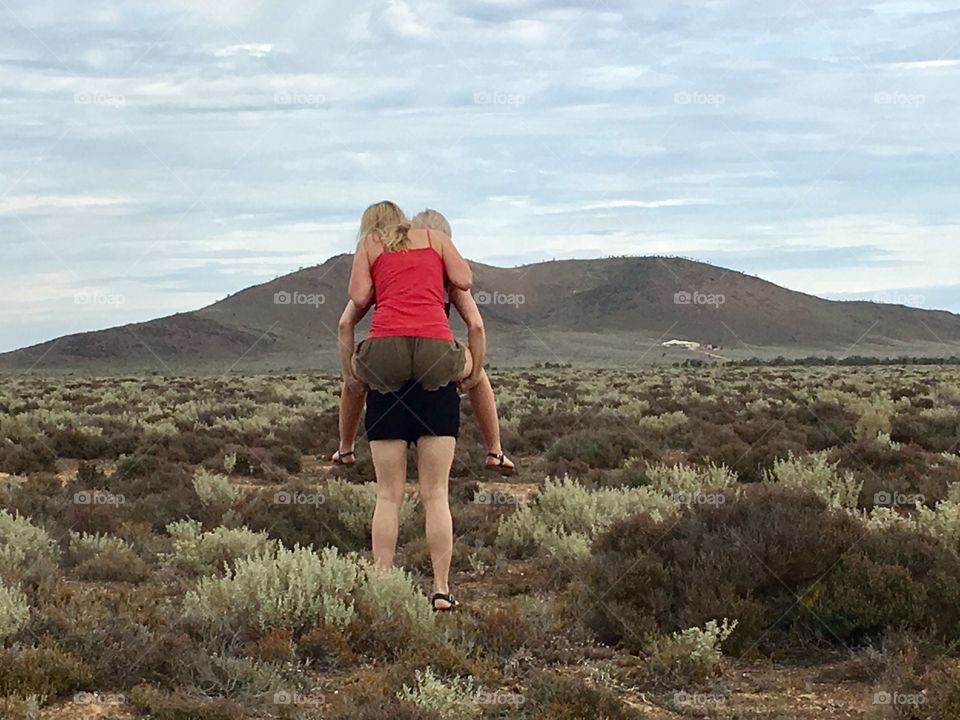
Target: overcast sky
[[155, 157]]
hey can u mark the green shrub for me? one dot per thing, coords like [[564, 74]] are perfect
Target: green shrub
[[565, 517], [392, 614], [338, 514], [555, 697], [14, 611], [944, 519], [685, 481], [239, 677], [208, 553], [44, 671], [779, 562], [354, 505], [663, 423], [179, 706], [815, 472], [101, 623], [105, 558], [692, 654], [453, 698], [277, 587], [214, 490], [26, 551]]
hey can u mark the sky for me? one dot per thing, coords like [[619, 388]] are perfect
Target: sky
[[155, 157]]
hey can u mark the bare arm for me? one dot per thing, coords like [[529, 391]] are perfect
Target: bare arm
[[361, 281], [476, 334], [459, 274], [345, 336]]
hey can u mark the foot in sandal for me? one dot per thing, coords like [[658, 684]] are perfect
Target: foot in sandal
[[343, 457], [443, 602], [500, 462]]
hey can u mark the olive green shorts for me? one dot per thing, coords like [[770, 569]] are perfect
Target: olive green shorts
[[386, 363]]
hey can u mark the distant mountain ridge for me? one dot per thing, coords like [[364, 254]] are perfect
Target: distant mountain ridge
[[611, 311]]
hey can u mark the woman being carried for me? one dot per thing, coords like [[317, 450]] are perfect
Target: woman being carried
[[406, 269]]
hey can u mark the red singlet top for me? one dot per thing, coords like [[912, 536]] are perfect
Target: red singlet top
[[409, 287]]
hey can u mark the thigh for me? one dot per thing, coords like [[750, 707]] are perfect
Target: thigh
[[434, 459], [390, 464]]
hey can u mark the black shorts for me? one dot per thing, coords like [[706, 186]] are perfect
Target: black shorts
[[412, 412]]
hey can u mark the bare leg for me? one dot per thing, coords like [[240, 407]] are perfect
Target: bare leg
[[485, 409], [390, 464], [351, 413], [434, 458]]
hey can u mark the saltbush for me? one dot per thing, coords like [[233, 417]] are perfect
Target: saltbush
[[566, 516], [209, 553], [815, 472], [14, 611], [277, 587], [453, 698], [214, 491], [104, 558], [24, 547], [692, 654], [300, 589]]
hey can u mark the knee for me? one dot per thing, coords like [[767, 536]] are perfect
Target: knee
[[434, 496], [390, 496]]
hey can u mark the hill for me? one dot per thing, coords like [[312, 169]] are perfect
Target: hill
[[612, 311]]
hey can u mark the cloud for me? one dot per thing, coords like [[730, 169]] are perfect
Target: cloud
[[237, 140], [53, 203]]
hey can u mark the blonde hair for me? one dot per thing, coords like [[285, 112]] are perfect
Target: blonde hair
[[386, 221], [433, 220]]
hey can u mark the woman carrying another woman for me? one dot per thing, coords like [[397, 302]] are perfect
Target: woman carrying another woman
[[477, 385], [411, 363]]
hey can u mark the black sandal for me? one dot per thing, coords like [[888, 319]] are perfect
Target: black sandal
[[501, 465], [338, 457], [447, 598]]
